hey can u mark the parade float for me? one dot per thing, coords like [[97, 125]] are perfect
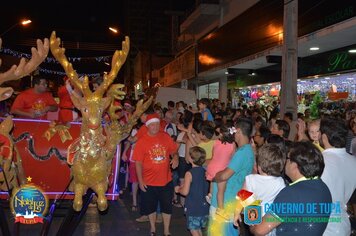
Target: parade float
[[66, 161]]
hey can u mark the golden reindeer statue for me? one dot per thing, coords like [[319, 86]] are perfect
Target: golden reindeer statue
[[10, 160], [94, 149], [24, 68]]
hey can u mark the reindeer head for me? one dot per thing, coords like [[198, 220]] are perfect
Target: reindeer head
[[24, 68], [91, 104]]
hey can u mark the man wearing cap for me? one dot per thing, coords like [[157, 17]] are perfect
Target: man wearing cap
[[152, 158]]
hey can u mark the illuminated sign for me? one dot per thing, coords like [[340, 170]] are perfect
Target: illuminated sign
[[29, 204]]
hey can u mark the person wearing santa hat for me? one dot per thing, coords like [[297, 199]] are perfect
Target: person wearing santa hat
[[153, 166]]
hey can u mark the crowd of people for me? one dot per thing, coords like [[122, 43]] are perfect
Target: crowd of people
[[202, 159], [221, 152]]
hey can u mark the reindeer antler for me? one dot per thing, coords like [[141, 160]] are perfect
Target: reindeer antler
[[59, 54], [24, 67], [117, 61]]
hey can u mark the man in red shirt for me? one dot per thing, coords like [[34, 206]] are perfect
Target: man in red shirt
[[34, 102], [152, 159]]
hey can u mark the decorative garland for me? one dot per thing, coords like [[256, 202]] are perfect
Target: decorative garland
[[53, 60], [53, 72], [52, 150]]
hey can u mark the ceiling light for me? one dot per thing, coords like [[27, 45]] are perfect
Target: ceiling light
[[314, 49], [352, 51]]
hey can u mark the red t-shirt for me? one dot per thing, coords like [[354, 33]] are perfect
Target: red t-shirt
[[153, 153], [29, 100], [66, 106]]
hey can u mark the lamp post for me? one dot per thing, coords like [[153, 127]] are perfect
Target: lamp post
[[24, 22]]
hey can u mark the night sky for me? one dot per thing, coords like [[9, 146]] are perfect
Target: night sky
[[74, 21]]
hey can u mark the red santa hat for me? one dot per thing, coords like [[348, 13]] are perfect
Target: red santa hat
[[151, 118], [247, 198]]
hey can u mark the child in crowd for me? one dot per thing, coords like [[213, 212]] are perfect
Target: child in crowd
[[204, 109], [201, 134], [206, 136], [313, 132], [195, 188], [268, 183], [223, 150]]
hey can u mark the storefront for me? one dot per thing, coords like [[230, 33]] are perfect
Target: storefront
[[333, 88]]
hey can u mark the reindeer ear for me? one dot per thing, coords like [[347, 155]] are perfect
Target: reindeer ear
[[106, 102], [76, 100], [6, 125]]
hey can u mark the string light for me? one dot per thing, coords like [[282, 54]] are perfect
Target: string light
[[53, 60], [53, 72]]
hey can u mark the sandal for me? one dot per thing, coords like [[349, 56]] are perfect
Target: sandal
[[134, 208]]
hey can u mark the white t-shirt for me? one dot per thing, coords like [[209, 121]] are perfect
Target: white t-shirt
[[181, 149], [265, 188], [340, 177]]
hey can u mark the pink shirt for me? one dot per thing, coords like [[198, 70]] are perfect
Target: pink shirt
[[222, 154]]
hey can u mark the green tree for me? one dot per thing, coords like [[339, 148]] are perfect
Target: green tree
[[314, 107]]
